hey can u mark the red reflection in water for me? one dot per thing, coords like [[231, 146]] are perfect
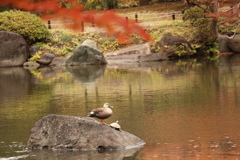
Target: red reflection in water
[[221, 149]]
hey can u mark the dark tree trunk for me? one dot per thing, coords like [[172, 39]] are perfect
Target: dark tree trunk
[[213, 23], [190, 3], [144, 2]]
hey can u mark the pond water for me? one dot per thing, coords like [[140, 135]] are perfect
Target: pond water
[[185, 109]]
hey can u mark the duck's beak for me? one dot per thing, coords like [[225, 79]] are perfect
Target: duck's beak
[[110, 106]]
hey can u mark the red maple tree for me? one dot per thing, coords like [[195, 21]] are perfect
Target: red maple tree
[[115, 24], [231, 14]]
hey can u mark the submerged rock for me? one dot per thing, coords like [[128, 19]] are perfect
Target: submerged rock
[[82, 133]]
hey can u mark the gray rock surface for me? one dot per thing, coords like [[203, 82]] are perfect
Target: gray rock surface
[[46, 58], [136, 53], [132, 50], [58, 61], [234, 43], [33, 50], [14, 49], [137, 58], [82, 133], [222, 41], [86, 54]]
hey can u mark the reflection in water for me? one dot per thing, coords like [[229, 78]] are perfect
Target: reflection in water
[[86, 74], [183, 109], [14, 82], [82, 155]]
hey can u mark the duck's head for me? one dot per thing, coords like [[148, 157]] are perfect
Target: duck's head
[[107, 105]]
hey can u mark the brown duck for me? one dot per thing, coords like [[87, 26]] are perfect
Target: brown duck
[[102, 113]]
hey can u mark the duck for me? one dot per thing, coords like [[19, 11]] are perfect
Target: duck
[[102, 113]]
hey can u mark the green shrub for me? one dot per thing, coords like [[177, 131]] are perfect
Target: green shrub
[[127, 4], [26, 24], [201, 23], [100, 4], [96, 4]]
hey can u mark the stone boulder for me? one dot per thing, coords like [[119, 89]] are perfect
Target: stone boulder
[[81, 133], [14, 50], [174, 46], [222, 41], [46, 58], [234, 43], [58, 61], [86, 54]]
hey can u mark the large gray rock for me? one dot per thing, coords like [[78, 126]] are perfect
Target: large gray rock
[[82, 133], [14, 49], [86, 54], [234, 43]]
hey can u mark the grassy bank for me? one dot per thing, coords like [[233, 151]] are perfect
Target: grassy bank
[[157, 19]]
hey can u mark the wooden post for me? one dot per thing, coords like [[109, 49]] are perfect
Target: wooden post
[[82, 26], [49, 24], [173, 16], [136, 17], [231, 8], [183, 14], [93, 25]]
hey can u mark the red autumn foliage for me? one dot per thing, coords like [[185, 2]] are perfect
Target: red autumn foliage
[[115, 24], [233, 12]]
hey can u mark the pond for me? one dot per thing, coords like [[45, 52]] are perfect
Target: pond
[[186, 109]]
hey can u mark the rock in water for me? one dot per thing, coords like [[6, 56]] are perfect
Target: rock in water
[[86, 54], [14, 49], [83, 133]]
